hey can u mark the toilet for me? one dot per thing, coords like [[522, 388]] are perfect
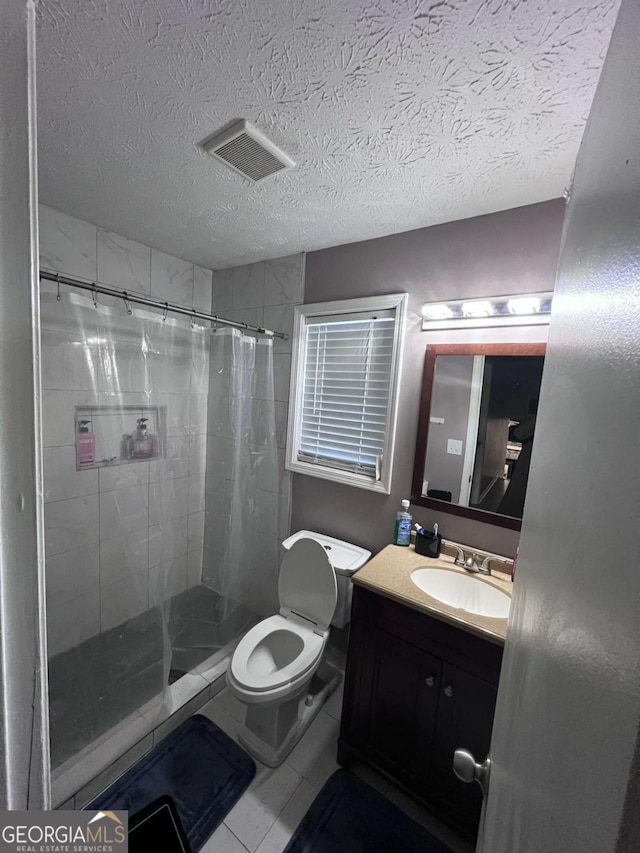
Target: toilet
[[273, 665]]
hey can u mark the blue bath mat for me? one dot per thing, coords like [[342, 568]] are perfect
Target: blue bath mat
[[199, 766], [350, 817]]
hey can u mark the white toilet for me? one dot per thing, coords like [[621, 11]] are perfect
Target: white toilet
[[274, 663]]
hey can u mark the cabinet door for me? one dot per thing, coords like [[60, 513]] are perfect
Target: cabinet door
[[465, 719], [402, 709]]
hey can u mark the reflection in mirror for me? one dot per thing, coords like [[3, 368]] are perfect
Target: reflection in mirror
[[476, 433], [481, 430]]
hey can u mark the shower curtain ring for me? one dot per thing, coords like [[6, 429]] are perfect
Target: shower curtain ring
[[125, 297], [193, 319], [165, 312], [95, 295], [58, 297]]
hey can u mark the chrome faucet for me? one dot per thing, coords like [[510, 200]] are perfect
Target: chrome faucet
[[470, 562]]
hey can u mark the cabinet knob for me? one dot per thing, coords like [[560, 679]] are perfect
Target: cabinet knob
[[430, 681], [448, 691]]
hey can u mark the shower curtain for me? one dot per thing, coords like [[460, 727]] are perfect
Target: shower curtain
[[159, 449], [242, 483]]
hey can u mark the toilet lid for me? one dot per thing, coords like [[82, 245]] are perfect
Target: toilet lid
[[307, 583]]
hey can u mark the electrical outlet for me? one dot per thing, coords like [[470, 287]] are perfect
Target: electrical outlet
[[454, 447]]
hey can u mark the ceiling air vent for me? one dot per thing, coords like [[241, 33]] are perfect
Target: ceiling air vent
[[248, 151]]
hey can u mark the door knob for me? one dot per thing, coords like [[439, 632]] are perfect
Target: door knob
[[467, 769]]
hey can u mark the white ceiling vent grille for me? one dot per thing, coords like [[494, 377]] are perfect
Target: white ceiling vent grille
[[248, 151]]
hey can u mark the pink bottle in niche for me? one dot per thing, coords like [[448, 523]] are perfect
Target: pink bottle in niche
[[85, 445]]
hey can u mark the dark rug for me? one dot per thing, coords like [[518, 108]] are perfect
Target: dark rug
[[199, 766], [350, 817]]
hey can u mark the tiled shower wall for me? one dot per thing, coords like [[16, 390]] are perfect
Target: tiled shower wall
[[87, 545], [265, 294]]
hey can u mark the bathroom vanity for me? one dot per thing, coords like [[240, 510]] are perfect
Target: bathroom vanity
[[421, 680]]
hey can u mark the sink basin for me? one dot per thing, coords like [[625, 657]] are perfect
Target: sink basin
[[463, 592]]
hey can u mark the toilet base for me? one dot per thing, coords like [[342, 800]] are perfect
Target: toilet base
[[270, 732]]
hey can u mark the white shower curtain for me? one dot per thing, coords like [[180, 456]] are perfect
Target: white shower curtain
[[242, 483], [129, 606]]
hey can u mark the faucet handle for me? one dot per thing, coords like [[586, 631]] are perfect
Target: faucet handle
[[491, 558], [459, 559]]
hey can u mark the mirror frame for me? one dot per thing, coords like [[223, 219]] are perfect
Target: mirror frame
[[432, 352]]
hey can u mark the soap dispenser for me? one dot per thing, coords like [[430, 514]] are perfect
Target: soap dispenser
[[85, 445], [142, 441]]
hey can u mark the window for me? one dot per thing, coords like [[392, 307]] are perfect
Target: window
[[344, 390]]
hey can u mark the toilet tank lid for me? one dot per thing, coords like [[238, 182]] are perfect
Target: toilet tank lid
[[344, 557]]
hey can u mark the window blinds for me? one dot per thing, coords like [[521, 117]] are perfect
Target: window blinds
[[346, 379]]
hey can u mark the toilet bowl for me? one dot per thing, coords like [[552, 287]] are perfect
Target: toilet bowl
[[274, 663]]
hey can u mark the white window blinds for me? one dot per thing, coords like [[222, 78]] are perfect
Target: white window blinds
[[346, 389]]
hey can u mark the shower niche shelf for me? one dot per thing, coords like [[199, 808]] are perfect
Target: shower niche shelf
[[118, 435]]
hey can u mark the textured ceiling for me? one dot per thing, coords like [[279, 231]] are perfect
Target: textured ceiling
[[399, 113]]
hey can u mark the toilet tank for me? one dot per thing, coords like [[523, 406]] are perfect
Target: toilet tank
[[346, 559]]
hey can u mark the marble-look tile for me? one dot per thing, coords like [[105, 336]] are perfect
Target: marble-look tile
[[61, 480], [72, 622], [124, 476], [71, 524], [282, 415], [202, 289], [67, 244], [250, 316], [248, 286], [281, 376], [198, 404], [124, 554], [168, 540], [284, 280], [194, 567], [198, 454], [123, 263], [123, 511], [223, 841], [195, 537], [196, 494], [256, 812], [176, 412], [67, 365], [279, 318], [72, 574], [290, 817], [58, 415], [124, 599], [171, 278], [167, 581], [314, 757], [222, 291], [168, 499]]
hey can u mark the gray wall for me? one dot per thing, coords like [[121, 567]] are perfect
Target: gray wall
[[565, 745], [24, 772], [513, 251]]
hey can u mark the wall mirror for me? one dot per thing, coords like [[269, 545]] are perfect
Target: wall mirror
[[475, 430]]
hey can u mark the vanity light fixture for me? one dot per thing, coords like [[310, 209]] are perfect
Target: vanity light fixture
[[531, 309]]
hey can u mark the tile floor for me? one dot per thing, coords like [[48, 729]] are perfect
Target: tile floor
[[271, 808]]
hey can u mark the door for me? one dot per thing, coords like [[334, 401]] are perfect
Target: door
[[565, 750]]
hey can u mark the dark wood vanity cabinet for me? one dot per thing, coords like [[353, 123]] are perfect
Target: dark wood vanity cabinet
[[416, 689]]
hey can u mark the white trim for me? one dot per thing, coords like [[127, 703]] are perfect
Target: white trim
[[472, 429], [396, 302]]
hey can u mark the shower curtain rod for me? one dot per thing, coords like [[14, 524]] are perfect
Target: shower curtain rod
[[155, 303]]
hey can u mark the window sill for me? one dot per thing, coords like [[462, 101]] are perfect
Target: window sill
[[335, 475]]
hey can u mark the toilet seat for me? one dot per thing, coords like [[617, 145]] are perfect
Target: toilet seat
[[259, 676]]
